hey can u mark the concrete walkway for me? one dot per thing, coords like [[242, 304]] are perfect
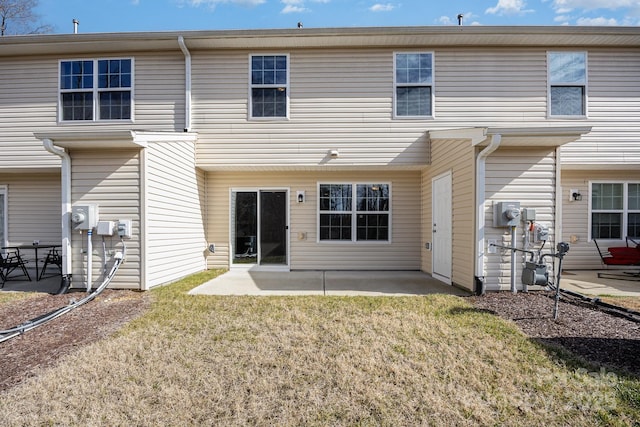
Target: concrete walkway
[[369, 283], [602, 282]]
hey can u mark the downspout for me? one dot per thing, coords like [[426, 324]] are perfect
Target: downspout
[[187, 84], [480, 215], [65, 212]]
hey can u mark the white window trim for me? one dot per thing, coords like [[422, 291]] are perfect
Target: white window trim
[[624, 211], [354, 213], [4, 191], [251, 86], [585, 85], [433, 85], [96, 91]]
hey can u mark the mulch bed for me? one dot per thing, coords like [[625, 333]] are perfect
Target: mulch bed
[[608, 341], [21, 357]]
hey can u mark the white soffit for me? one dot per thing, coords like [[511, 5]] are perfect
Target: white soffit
[[514, 137], [124, 139]]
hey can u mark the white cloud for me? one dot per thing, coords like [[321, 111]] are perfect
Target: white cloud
[[379, 7], [601, 21], [466, 19], [293, 6], [213, 3], [445, 20], [293, 9], [568, 5], [509, 7]]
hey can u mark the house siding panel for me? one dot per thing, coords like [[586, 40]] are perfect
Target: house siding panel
[[175, 235], [28, 105], [403, 253], [112, 180], [456, 157], [527, 176], [33, 208], [575, 216]]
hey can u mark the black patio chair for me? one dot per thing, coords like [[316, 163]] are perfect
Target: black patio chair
[[10, 262], [53, 258]]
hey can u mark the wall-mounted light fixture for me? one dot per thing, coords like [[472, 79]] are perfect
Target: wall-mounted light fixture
[[300, 196], [574, 195], [334, 153]]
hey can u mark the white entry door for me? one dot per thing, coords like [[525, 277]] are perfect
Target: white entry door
[[441, 226]]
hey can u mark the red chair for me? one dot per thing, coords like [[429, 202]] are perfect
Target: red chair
[[621, 255]]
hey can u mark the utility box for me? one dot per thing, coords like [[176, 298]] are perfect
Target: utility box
[[84, 217], [506, 214]]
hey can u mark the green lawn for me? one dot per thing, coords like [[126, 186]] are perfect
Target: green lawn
[[203, 360]]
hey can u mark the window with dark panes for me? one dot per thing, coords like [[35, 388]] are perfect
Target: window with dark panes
[[413, 82], [615, 210], [567, 83], [354, 212], [269, 86], [98, 89]]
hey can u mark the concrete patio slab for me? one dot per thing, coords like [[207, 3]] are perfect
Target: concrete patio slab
[[371, 283], [612, 282]]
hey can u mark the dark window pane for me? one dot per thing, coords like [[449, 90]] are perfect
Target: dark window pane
[[373, 227], [115, 105], [567, 101], [335, 227], [606, 225], [634, 197], [633, 225], [77, 106], [268, 102], [413, 101]]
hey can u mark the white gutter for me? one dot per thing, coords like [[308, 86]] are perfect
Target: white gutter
[[480, 195], [187, 84], [65, 204]]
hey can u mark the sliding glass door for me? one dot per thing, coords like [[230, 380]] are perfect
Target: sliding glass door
[[259, 231]]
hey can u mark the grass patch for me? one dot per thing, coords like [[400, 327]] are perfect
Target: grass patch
[[632, 303], [6, 297], [208, 360]]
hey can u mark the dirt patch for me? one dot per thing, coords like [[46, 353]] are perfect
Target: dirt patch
[[44, 346], [597, 337]]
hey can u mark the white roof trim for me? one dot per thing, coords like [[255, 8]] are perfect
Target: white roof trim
[[113, 139], [515, 136]]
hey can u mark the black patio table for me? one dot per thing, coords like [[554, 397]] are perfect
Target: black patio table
[[35, 248]]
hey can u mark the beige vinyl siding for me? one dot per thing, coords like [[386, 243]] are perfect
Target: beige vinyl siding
[[175, 237], [575, 215], [614, 108], [110, 178], [457, 157], [29, 89], [527, 176], [33, 208], [403, 253], [339, 100]]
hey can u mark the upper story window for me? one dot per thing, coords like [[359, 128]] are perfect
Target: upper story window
[[413, 81], [96, 89], [269, 86], [567, 84], [354, 212], [615, 210]]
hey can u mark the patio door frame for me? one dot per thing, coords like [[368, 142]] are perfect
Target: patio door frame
[[257, 266]]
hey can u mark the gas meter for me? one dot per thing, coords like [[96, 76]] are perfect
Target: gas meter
[[535, 274]]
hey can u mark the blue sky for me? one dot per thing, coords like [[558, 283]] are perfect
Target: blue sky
[[161, 15]]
